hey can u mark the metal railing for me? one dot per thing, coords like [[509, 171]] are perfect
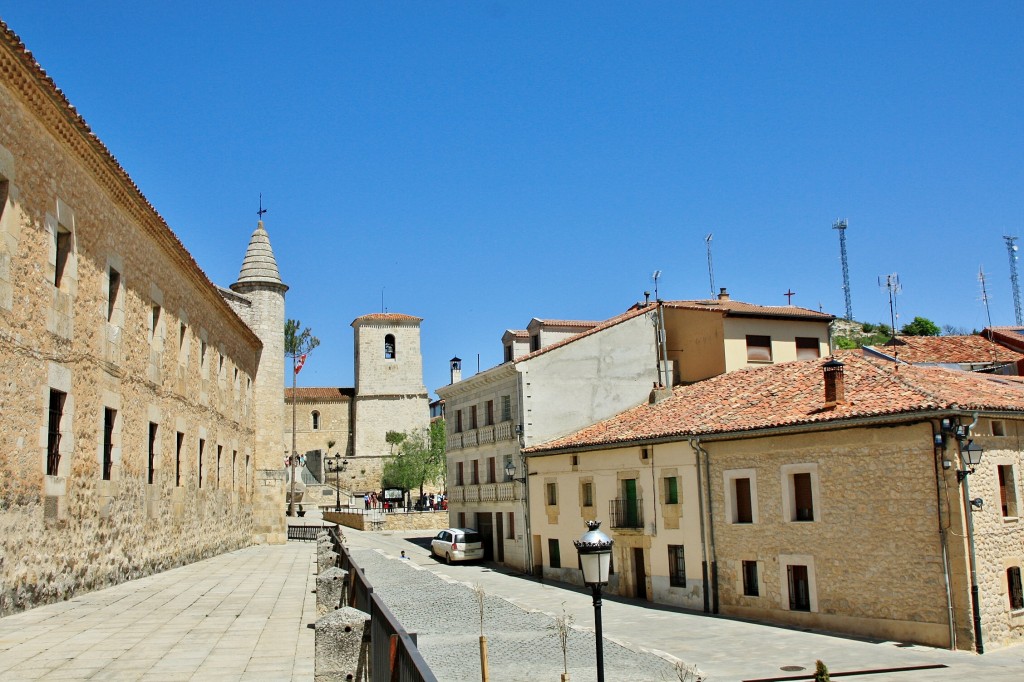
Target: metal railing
[[626, 513], [394, 656]]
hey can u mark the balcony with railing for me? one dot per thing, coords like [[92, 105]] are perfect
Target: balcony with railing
[[485, 434], [626, 513], [505, 491]]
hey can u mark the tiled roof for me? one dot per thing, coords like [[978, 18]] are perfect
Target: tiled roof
[[730, 307], [949, 349], [1012, 337], [387, 317], [259, 264], [319, 393], [518, 333], [793, 393], [629, 314], [567, 323]]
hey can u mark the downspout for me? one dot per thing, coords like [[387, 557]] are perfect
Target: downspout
[[940, 452], [654, 496], [695, 444], [521, 440], [975, 604]]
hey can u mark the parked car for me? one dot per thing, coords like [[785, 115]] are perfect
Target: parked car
[[458, 544]]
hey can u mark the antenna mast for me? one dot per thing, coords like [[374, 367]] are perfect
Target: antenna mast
[[892, 285], [984, 295], [1011, 249], [841, 226], [711, 270]]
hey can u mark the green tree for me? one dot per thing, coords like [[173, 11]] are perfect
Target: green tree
[[418, 460], [920, 326], [296, 345]]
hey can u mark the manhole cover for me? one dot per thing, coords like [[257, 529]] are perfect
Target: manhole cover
[[792, 668]]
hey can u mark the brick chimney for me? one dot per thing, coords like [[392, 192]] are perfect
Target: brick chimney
[[723, 295], [835, 383]]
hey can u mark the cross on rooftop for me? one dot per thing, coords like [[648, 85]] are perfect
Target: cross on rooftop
[[262, 210], [789, 296]]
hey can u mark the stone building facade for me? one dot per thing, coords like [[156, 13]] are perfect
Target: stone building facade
[[814, 494], [142, 411], [389, 395]]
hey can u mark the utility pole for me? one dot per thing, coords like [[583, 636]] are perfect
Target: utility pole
[[841, 226]]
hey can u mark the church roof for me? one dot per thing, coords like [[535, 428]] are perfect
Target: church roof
[[386, 317], [259, 265], [319, 393]]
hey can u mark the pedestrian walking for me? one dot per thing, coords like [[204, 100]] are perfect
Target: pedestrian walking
[[366, 501]]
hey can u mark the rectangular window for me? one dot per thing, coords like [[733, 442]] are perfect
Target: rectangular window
[[511, 526], [998, 427], [645, 453], [1013, 587], [491, 470], [113, 291], [202, 446], [234, 460], [182, 339], [179, 442], [554, 556], [672, 490], [462, 519], [759, 348], [552, 494], [803, 504], [108, 442], [742, 508], [807, 348], [245, 475], [458, 421], [799, 588], [459, 478], [1007, 491], [472, 417], [508, 353], [535, 342], [750, 588], [506, 408], [56, 413], [490, 412], [154, 321], [220, 448], [202, 356], [476, 472], [588, 494], [676, 566], [152, 453], [575, 461], [63, 254]]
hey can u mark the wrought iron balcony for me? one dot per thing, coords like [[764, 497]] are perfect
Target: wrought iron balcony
[[626, 513]]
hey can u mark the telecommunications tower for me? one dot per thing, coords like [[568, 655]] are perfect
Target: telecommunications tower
[[1011, 249], [841, 226]]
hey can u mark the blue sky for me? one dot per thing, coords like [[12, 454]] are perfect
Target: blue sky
[[484, 163]]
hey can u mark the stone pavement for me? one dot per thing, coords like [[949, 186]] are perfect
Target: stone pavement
[[238, 616], [725, 648]]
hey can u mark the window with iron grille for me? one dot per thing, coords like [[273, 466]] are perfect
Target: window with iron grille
[[1013, 585], [554, 556], [671, 490], [750, 588], [759, 348], [108, 442], [1007, 490], [56, 413], [799, 588], [152, 453], [676, 566], [506, 408]]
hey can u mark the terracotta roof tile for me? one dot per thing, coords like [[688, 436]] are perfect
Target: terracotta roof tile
[[568, 323], [317, 393], [949, 349], [792, 394], [387, 317], [731, 307], [518, 333]]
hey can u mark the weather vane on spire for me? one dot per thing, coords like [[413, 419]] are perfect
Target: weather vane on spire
[[262, 210]]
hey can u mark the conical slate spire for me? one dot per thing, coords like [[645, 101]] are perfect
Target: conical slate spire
[[259, 265]]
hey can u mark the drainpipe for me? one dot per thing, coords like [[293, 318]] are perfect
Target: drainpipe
[[663, 342], [521, 440], [940, 455], [694, 443], [975, 605], [654, 496]]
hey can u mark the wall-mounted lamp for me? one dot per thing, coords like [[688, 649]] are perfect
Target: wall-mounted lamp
[[978, 503]]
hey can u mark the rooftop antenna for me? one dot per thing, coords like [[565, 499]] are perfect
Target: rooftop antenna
[[840, 224], [892, 285], [711, 270], [1011, 249], [984, 295], [656, 276], [262, 210], [382, 309]]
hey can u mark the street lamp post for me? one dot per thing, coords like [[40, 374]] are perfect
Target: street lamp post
[[337, 465], [970, 454], [595, 550]]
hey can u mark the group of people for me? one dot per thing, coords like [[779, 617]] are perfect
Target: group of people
[[431, 502]]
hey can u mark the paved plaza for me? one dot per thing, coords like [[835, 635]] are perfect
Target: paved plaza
[[238, 616]]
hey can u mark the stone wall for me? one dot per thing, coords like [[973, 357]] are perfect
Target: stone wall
[[396, 521], [118, 327]]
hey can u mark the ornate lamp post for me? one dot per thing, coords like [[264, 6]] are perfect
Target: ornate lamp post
[[337, 465], [595, 550]]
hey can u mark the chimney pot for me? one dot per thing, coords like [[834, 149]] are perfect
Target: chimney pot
[[835, 383], [723, 295]]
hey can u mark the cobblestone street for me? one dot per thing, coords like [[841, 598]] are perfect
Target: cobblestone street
[[521, 645]]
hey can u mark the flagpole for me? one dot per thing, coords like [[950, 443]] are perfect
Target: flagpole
[[291, 496]]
